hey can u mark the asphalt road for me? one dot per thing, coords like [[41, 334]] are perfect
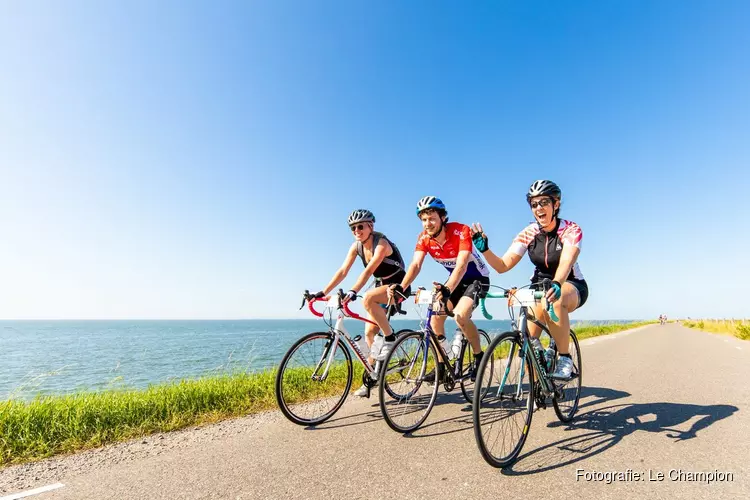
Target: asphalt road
[[656, 400]]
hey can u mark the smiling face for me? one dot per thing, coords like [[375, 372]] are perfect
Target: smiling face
[[361, 230], [543, 208], [432, 222]]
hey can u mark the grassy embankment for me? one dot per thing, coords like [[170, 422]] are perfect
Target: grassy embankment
[[739, 328]]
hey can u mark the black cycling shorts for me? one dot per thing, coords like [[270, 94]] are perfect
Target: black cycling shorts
[[466, 288], [580, 285]]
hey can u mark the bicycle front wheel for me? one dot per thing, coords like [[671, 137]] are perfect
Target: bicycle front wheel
[[467, 359], [305, 393], [503, 400], [568, 393], [412, 397]]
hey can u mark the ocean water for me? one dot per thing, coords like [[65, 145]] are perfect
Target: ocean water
[[58, 357]]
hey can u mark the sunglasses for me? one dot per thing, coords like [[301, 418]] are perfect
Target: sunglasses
[[356, 227], [541, 203]]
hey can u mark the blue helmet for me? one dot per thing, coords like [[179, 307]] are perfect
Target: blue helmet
[[430, 202]]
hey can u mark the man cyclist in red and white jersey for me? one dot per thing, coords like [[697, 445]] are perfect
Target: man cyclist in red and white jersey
[[450, 244], [553, 245]]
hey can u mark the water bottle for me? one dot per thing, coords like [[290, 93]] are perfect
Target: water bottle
[[362, 344], [456, 345], [549, 355], [536, 346]]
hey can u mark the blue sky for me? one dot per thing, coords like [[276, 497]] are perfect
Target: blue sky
[[199, 160]]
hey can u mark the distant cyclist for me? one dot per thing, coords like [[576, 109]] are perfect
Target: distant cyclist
[[381, 259], [553, 245]]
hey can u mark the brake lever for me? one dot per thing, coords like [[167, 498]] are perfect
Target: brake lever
[[305, 298]]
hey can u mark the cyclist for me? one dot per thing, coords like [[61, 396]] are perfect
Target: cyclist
[[450, 244], [381, 259], [553, 245]]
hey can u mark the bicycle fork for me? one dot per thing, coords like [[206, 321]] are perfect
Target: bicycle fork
[[545, 383]]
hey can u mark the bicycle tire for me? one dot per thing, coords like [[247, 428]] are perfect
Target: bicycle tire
[[467, 386], [482, 407], [567, 415], [400, 405], [287, 407]]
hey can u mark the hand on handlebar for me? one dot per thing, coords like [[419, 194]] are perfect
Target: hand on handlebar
[[349, 296], [393, 290], [554, 292], [442, 293]]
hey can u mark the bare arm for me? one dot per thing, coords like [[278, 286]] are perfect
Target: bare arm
[[414, 268], [339, 276], [458, 272], [502, 264]]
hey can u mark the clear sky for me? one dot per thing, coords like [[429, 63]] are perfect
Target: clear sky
[[199, 159]]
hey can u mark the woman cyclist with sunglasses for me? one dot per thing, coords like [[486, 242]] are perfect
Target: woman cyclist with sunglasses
[[553, 245], [381, 259]]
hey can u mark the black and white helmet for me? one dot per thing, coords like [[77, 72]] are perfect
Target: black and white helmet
[[544, 187], [361, 215]]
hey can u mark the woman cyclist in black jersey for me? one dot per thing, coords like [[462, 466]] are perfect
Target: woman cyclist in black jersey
[[553, 245], [381, 259]]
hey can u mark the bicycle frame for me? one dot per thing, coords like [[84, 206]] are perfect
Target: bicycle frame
[[432, 337], [547, 384], [521, 326], [338, 331]]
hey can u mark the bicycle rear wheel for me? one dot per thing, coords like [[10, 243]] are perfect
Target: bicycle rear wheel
[[412, 398], [303, 396], [467, 359], [503, 400], [397, 370], [568, 393]]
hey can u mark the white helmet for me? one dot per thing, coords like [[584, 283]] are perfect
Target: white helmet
[[361, 215]]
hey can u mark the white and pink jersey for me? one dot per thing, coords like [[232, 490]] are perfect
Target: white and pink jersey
[[545, 248]]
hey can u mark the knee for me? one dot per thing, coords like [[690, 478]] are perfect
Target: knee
[[368, 302], [560, 307], [461, 318]]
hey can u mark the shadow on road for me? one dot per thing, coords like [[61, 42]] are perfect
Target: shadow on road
[[609, 425], [465, 421], [336, 422]]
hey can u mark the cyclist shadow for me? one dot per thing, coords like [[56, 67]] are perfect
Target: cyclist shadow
[[609, 425], [337, 422], [465, 421]]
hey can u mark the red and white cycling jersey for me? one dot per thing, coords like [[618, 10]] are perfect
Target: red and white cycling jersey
[[545, 248], [458, 238]]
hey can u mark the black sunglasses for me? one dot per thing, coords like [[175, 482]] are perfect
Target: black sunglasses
[[357, 226], [541, 203]]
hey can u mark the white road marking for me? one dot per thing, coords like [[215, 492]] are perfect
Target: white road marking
[[35, 491]]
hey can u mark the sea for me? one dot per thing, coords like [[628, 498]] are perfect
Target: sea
[[61, 357]]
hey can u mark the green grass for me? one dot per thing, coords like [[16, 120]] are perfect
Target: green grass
[[51, 425], [739, 328], [587, 330]]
